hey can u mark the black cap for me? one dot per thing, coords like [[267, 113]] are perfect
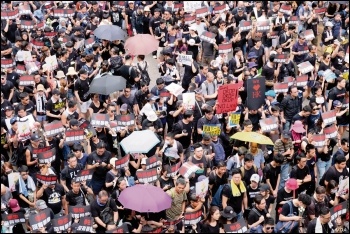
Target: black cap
[[264, 187], [74, 122], [35, 137], [8, 108], [286, 134], [83, 71]]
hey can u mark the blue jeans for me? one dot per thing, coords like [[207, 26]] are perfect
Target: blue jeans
[[286, 126], [240, 215], [284, 174], [322, 167]]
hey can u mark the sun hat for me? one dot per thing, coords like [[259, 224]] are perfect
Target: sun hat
[[152, 117], [292, 184], [71, 71], [60, 74], [298, 127], [40, 87]]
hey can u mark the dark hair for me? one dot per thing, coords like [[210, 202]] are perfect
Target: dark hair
[[269, 221], [70, 155], [309, 147], [23, 168], [340, 159], [188, 114], [324, 210], [21, 107], [206, 137], [23, 95], [300, 156], [142, 57], [221, 164], [248, 157], [247, 122], [77, 147], [344, 141], [208, 109], [196, 145], [258, 198], [305, 199], [320, 190], [236, 171], [278, 158], [101, 145], [71, 103], [307, 108], [171, 135]]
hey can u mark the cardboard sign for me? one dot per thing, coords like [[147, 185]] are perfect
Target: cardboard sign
[[47, 157], [53, 128], [293, 20], [50, 34], [24, 10], [121, 4], [281, 58], [234, 119], [329, 75], [331, 131], [147, 176], [208, 37], [36, 151], [62, 223], [343, 187], [202, 188], [192, 6], [188, 100], [188, 169], [177, 6], [286, 9], [10, 15], [256, 92], [79, 211], [339, 210], [85, 224], [238, 227], [202, 12], [289, 80], [12, 219], [245, 25], [263, 25], [52, 63], [302, 80], [269, 124], [38, 44], [26, 80], [126, 120], [190, 19], [115, 126], [6, 63], [13, 179], [227, 98], [99, 120], [329, 117], [192, 217], [212, 129], [225, 48], [31, 67], [280, 87], [46, 179], [74, 135], [174, 89], [220, 9], [305, 67], [24, 132], [21, 69], [123, 162], [320, 11], [319, 140], [153, 161], [185, 59], [39, 220], [84, 175], [174, 169], [28, 24], [309, 34]]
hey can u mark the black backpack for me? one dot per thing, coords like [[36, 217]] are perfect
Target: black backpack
[[144, 74], [106, 214]]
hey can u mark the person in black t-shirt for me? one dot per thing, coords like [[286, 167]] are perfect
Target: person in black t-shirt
[[70, 171], [76, 196], [301, 173], [322, 220], [272, 173], [129, 72], [54, 107], [218, 177], [53, 195], [258, 213], [183, 131]]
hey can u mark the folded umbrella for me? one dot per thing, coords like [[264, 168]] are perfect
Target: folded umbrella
[[107, 84], [110, 32], [139, 142], [145, 198], [141, 44], [252, 137]]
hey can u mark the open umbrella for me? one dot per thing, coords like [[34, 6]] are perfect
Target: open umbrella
[[107, 84], [139, 142], [252, 137], [141, 44], [145, 198], [110, 32]]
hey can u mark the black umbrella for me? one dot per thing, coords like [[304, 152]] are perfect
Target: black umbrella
[[107, 84], [110, 32]]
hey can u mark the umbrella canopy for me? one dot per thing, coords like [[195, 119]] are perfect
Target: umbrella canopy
[[110, 32], [145, 198], [141, 44], [252, 137], [107, 84], [139, 142]]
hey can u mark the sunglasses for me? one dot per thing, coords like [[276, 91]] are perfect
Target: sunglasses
[[270, 228], [113, 111]]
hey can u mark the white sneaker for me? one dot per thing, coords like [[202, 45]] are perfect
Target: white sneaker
[[154, 56]]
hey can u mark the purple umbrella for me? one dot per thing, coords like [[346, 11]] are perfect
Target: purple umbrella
[[145, 198]]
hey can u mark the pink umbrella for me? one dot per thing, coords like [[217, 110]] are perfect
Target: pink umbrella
[[145, 198], [141, 44]]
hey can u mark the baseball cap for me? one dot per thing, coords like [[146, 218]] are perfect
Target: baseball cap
[[13, 120], [13, 204], [320, 73], [255, 177], [124, 107], [337, 103], [40, 204], [73, 122], [240, 9], [264, 187], [35, 137], [8, 108], [270, 93], [83, 71], [252, 55], [286, 134]]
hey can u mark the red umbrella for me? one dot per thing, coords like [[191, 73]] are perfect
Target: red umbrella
[[141, 44]]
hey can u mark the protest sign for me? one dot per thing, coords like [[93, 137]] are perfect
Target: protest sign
[[89, 42], [227, 98], [305, 67], [202, 12], [339, 210], [301, 81], [36, 151], [188, 100], [153, 161], [28, 118], [280, 87], [68, 13], [24, 132], [220, 9], [286, 9], [121, 229], [281, 58], [263, 25], [320, 11], [12, 219], [50, 34], [6, 63], [115, 126], [187, 169], [74, 135], [121, 4], [208, 37], [84, 175], [177, 6], [225, 48], [185, 59], [202, 188], [21, 69], [174, 89], [4, 138], [212, 129], [289, 80], [126, 120], [31, 67], [293, 20], [99, 120], [174, 169], [62, 223], [40, 219], [79, 211], [27, 56], [13, 179], [47, 156], [192, 6], [38, 44], [148, 176], [58, 12], [85, 224], [256, 92], [51, 61], [41, 25], [331, 131], [343, 187], [24, 9], [10, 14], [192, 217], [329, 117], [123, 162], [245, 25], [319, 140], [329, 75], [46, 179], [53, 128], [189, 19], [28, 24], [269, 124], [238, 227], [234, 119], [26, 80], [309, 34]]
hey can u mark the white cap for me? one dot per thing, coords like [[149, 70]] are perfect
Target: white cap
[[255, 177], [329, 24]]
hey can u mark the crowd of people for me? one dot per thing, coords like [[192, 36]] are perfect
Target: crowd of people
[[288, 187]]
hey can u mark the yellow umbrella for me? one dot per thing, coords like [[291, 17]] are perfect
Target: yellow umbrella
[[252, 137]]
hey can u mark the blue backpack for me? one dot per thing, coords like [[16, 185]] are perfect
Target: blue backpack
[[217, 199], [219, 152]]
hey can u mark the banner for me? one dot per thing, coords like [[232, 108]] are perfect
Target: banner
[[339, 210], [39, 220], [147, 176], [280, 87], [208, 37], [51, 61], [28, 24], [120, 229], [24, 9], [190, 19], [212, 129], [263, 25], [47, 157], [153, 161], [220, 9], [281, 58], [50, 34], [192, 217], [227, 98], [269, 124], [79, 211], [99, 120], [187, 169], [12, 219], [6, 63], [26, 80], [24, 132], [289, 80], [11, 15], [309, 34], [301, 81], [62, 223], [53, 128], [84, 175], [174, 89], [319, 140], [192, 6], [74, 135], [121, 4], [286, 9], [85, 224], [126, 120], [234, 119], [185, 59], [202, 12], [173, 170], [46, 179], [256, 92], [225, 48], [245, 25], [21, 69], [305, 67], [177, 6], [331, 131], [329, 117], [38, 44], [238, 227], [36, 151], [293, 20], [202, 188], [188, 100], [123, 162]]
